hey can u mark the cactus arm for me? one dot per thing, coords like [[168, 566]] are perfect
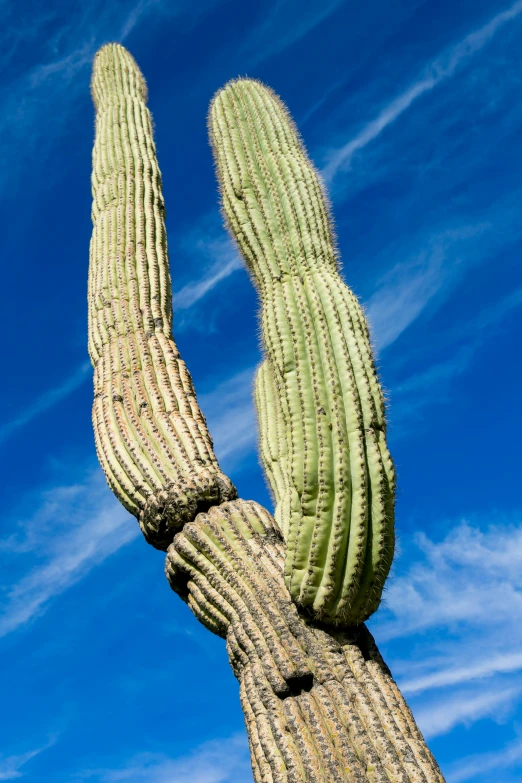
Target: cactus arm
[[151, 437], [338, 472]]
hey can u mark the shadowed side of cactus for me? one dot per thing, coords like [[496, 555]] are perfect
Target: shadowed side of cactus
[[321, 409], [151, 437], [272, 440]]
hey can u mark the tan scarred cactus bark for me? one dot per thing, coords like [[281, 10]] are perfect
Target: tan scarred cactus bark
[[320, 704]]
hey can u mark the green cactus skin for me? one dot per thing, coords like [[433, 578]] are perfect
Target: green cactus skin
[[151, 437], [331, 474]]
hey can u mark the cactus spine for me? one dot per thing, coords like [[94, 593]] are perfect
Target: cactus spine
[[320, 705], [151, 437], [323, 442]]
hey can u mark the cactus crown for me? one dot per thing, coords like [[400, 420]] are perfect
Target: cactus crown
[[116, 77]]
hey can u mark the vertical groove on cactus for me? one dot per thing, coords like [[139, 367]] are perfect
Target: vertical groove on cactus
[[151, 437], [320, 706], [332, 477]]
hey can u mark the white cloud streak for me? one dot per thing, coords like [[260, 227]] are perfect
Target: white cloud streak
[[404, 293], [439, 70], [135, 14], [56, 85], [193, 292], [434, 384], [11, 766], [500, 664], [456, 614], [73, 529], [464, 708], [76, 527], [225, 261], [219, 761], [407, 288], [296, 20], [456, 606], [471, 578], [229, 410], [476, 766], [45, 401]]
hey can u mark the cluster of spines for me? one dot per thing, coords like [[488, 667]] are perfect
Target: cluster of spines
[[151, 437], [334, 480]]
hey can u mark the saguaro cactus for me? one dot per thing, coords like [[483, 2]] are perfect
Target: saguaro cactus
[[320, 705]]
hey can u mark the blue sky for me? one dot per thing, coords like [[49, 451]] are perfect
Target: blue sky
[[412, 111]]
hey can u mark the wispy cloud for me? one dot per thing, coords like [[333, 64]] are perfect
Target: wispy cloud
[[165, 8], [404, 293], [77, 526], [434, 384], [135, 14], [293, 20], [454, 607], [45, 401], [433, 262], [431, 385], [11, 766], [55, 81], [219, 761], [437, 71], [472, 577], [406, 289], [229, 410], [73, 529], [465, 708], [499, 664], [224, 261], [478, 765]]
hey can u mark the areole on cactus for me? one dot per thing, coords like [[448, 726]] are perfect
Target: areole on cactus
[[287, 593]]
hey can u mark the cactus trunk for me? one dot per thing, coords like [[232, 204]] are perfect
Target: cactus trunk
[[319, 703]]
